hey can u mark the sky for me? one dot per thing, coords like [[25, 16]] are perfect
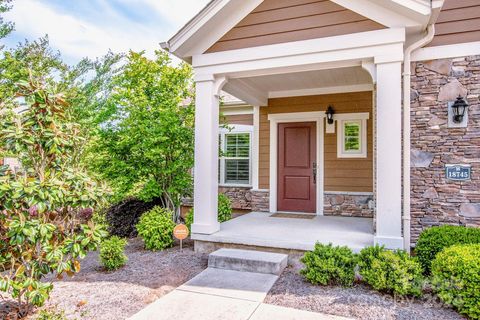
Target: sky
[[89, 28]]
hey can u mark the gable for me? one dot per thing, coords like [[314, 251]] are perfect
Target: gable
[[280, 21], [458, 22]]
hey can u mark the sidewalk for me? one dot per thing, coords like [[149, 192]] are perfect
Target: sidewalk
[[217, 294]]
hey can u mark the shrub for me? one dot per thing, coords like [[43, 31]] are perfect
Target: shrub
[[156, 229], [124, 216], [328, 265], [456, 278], [390, 271], [112, 253], [189, 220], [53, 314], [224, 208], [435, 239]]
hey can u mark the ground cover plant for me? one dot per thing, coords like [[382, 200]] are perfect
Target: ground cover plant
[[43, 204]]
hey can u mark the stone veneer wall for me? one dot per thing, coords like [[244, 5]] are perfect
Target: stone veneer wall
[[348, 204], [435, 200]]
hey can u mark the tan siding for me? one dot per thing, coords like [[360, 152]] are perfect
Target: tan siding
[[459, 22], [280, 21], [340, 174], [245, 119]]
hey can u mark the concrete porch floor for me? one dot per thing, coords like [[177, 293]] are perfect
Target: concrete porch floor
[[259, 229]]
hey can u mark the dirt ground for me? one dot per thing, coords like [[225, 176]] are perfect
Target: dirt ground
[[100, 295], [358, 302]]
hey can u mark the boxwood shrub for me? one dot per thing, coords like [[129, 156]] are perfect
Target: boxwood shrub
[[156, 229], [112, 253], [329, 265], [435, 239], [456, 278], [390, 271]]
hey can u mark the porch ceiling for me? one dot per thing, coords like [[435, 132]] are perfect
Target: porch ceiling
[[255, 89]]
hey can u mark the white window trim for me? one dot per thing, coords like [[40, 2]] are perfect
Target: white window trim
[[235, 129], [352, 117]]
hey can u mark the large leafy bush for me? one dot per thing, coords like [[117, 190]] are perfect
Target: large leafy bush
[[456, 278], [156, 229], [435, 239], [224, 208], [328, 265], [41, 207], [112, 253], [390, 271]]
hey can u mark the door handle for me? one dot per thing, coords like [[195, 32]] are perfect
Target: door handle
[[314, 172]]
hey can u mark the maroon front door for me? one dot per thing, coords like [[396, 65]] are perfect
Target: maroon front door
[[296, 163]]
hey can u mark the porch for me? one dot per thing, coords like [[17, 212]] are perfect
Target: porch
[[263, 230]]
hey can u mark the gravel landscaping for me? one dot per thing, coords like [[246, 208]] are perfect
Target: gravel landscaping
[[100, 295], [358, 302]]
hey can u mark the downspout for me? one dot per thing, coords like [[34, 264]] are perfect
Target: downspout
[[406, 131]]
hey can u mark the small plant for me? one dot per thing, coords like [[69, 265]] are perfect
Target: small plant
[[112, 253], [52, 314], [329, 265], [435, 239], [456, 278], [189, 220], [156, 229], [224, 208], [390, 271]]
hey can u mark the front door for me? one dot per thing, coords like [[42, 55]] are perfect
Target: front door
[[296, 167]]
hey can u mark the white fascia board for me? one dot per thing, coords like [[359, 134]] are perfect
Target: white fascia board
[[236, 110], [319, 91], [447, 51], [209, 26], [249, 95], [327, 44], [378, 13]]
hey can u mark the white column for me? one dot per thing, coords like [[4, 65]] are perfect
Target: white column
[[255, 146], [205, 219], [389, 156]]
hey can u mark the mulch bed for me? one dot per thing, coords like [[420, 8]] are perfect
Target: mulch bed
[[358, 302], [100, 295]]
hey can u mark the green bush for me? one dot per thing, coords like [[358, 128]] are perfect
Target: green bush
[[456, 278], [156, 228], [224, 208], [329, 265], [390, 271], [435, 239], [189, 220], [112, 253]]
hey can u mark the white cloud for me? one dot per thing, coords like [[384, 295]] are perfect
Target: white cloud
[[76, 37]]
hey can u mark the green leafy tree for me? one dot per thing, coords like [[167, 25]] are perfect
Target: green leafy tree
[[45, 210], [144, 147], [6, 27]]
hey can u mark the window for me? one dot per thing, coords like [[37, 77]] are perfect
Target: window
[[352, 137], [235, 157]]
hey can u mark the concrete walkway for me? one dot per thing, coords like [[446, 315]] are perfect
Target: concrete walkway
[[217, 294]]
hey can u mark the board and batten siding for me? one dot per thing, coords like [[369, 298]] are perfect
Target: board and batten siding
[[280, 21], [458, 22], [346, 175]]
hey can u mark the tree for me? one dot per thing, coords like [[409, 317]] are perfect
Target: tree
[[45, 210], [144, 148], [5, 26]]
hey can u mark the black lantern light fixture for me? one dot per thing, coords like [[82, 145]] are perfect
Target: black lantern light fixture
[[458, 109], [330, 112]]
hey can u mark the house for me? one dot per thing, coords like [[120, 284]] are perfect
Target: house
[[360, 131]]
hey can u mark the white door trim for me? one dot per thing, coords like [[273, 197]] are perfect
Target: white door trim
[[275, 119]]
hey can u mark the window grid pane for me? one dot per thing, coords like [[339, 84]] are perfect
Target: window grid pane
[[352, 137], [236, 158]]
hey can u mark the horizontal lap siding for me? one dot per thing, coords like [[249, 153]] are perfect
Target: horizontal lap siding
[[459, 22], [245, 119], [355, 175], [283, 21]]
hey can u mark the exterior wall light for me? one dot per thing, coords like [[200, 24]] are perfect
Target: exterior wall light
[[458, 109], [330, 112]]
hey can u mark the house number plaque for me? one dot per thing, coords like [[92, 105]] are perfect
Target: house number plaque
[[458, 172]]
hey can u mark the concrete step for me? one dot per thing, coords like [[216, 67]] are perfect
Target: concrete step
[[248, 260]]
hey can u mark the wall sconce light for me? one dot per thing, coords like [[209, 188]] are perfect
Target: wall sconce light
[[330, 112], [458, 109]]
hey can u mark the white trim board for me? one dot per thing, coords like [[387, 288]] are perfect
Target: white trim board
[[318, 91], [447, 51], [275, 119]]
